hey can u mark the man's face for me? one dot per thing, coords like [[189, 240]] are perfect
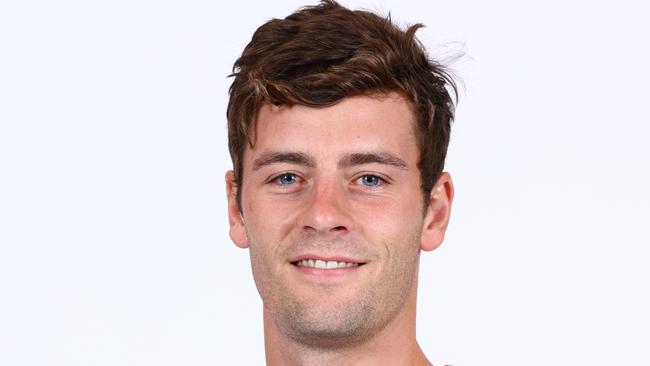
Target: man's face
[[335, 186]]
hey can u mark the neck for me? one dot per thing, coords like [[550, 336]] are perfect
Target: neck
[[396, 344]]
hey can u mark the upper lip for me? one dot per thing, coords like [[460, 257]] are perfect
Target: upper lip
[[338, 258]]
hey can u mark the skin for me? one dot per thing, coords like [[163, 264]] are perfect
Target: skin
[[322, 199]]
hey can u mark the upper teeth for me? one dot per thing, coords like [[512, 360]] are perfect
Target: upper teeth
[[317, 263]]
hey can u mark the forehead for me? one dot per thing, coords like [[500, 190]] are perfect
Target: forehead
[[360, 123]]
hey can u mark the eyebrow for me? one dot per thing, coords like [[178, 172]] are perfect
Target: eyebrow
[[348, 160], [269, 158], [385, 158]]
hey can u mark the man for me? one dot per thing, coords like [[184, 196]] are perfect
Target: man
[[338, 130]]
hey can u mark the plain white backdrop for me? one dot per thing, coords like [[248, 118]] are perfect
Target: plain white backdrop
[[113, 230]]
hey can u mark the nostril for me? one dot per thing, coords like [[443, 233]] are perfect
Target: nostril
[[339, 229]]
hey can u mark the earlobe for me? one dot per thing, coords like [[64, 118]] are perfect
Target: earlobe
[[438, 213], [235, 218]]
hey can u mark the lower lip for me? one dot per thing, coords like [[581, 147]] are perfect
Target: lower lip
[[327, 273]]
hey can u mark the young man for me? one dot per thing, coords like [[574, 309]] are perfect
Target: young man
[[338, 130]]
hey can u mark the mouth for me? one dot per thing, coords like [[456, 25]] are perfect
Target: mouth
[[326, 264], [327, 269]]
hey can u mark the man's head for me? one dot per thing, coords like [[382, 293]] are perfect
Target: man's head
[[322, 54], [338, 126]]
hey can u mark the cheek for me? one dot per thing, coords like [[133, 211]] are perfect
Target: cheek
[[390, 214], [395, 225], [267, 222]]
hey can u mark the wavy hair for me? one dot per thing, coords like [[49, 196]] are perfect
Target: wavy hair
[[321, 54]]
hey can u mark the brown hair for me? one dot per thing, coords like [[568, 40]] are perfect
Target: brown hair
[[324, 53]]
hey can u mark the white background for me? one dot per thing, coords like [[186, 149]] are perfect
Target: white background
[[113, 229]]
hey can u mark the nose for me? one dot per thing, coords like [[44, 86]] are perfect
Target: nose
[[326, 213]]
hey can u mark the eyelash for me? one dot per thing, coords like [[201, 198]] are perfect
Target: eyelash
[[382, 181], [277, 180]]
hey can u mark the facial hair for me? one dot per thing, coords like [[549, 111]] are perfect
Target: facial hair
[[326, 321]]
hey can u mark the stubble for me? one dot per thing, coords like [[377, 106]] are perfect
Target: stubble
[[324, 322]]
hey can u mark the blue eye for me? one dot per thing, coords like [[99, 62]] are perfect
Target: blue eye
[[287, 179], [371, 180]]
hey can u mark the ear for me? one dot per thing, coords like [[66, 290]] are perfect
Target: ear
[[235, 218], [437, 215]]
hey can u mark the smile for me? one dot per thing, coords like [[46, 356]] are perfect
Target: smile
[[322, 264]]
